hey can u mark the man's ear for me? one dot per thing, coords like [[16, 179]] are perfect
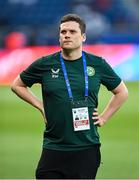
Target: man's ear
[[84, 37]]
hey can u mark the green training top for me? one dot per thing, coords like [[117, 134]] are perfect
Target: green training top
[[59, 133]]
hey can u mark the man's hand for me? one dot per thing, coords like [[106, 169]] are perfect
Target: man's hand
[[120, 94], [99, 121]]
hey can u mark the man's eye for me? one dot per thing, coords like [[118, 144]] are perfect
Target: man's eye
[[63, 32], [72, 31]]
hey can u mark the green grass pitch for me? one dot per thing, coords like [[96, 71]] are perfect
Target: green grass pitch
[[21, 128]]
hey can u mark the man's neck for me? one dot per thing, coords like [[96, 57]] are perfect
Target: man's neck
[[71, 54]]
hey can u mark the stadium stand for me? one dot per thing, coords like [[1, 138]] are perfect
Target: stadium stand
[[109, 21]]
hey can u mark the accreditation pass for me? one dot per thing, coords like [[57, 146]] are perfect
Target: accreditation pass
[[80, 119]]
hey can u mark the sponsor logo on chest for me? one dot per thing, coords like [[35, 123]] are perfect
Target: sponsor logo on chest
[[55, 73]]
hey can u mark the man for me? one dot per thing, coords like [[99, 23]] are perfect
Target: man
[[70, 81]]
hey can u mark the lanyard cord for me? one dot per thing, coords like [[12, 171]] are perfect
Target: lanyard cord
[[66, 76]]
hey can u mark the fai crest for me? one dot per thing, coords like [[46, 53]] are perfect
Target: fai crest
[[90, 71]]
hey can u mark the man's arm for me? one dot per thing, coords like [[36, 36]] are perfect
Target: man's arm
[[21, 90], [120, 95]]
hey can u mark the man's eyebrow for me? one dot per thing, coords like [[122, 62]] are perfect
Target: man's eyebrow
[[68, 29], [63, 30], [74, 30]]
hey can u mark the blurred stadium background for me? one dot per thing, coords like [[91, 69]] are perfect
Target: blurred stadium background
[[28, 30]]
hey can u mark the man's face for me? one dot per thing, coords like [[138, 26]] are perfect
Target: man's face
[[71, 36]]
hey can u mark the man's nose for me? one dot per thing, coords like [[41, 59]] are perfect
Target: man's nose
[[67, 35]]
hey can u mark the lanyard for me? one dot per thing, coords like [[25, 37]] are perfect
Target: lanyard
[[66, 75]]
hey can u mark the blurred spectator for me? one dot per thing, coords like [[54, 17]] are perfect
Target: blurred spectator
[[96, 23], [15, 40]]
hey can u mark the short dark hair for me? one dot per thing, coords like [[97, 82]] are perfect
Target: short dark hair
[[76, 18]]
